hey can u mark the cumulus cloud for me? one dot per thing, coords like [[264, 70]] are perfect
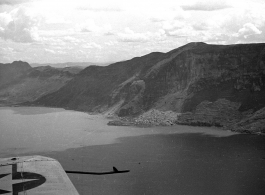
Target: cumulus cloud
[[5, 18], [248, 29], [91, 27], [173, 25], [99, 6], [12, 2], [243, 24], [109, 33], [177, 28], [19, 26], [55, 51], [111, 43], [50, 51], [71, 39], [200, 26], [57, 33], [206, 5], [236, 19], [236, 25], [107, 30], [161, 15], [62, 42], [130, 36], [50, 41], [99, 9], [91, 45], [187, 31], [55, 19]]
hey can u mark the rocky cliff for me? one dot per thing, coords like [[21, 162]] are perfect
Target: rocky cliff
[[191, 79]]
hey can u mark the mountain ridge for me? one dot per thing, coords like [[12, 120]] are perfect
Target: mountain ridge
[[20, 82], [70, 64], [197, 80], [147, 67], [12, 71]]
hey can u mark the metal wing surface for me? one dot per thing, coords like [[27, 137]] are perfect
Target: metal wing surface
[[34, 175]]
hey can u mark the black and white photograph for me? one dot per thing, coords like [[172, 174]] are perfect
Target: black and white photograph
[[132, 97]]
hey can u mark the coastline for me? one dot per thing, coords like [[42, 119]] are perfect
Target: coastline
[[131, 122], [169, 118], [155, 117]]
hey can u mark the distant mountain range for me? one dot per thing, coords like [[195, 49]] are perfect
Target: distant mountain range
[[19, 82], [220, 85], [70, 64]]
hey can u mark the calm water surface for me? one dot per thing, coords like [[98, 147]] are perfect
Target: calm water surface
[[162, 160], [36, 129]]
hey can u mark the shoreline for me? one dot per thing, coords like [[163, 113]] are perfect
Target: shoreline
[[152, 118], [130, 122], [159, 118]]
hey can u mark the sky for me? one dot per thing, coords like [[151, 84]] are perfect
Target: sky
[[57, 31]]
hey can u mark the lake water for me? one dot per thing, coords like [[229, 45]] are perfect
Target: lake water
[[162, 160]]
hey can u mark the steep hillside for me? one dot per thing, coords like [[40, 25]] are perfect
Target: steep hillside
[[12, 72], [93, 89], [32, 83], [180, 80]]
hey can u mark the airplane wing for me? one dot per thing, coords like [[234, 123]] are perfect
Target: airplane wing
[[34, 175]]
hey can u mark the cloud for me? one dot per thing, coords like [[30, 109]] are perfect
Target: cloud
[[19, 26], [50, 51], [12, 2], [71, 39], [242, 24], [130, 36], [235, 19], [161, 15], [59, 42], [206, 5], [99, 6], [177, 28], [57, 33], [109, 33], [5, 18], [91, 27], [200, 26], [173, 25], [111, 43], [55, 51], [246, 23], [91, 45], [187, 31], [247, 30], [99, 9], [52, 18], [107, 30]]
